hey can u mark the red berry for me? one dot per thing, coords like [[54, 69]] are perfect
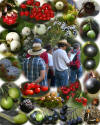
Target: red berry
[[68, 90], [37, 4], [39, 14], [45, 5], [37, 90], [27, 86], [84, 104], [37, 85], [73, 89], [48, 18], [77, 83], [29, 2], [34, 14], [80, 101], [39, 9], [44, 88], [76, 87], [73, 94], [46, 11], [44, 16], [41, 17], [31, 16], [64, 92], [26, 13], [48, 15], [4, 20], [32, 85], [52, 15], [76, 99], [37, 18], [34, 9], [84, 100], [22, 13], [24, 92], [67, 97], [23, 6], [29, 92]]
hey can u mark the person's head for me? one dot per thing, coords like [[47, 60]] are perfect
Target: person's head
[[36, 50], [48, 48], [37, 40], [76, 46], [55, 48], [63, 44]]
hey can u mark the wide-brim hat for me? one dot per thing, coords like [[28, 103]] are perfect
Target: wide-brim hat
[[36, 50], [64, 42]]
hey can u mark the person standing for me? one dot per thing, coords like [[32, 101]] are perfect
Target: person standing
[[50, 64], [34, 67], [61, 62], [43, 55], [75, 65]]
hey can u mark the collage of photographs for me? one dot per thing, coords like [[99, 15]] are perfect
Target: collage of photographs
[[49, 62]]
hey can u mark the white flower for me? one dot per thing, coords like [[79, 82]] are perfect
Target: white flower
[[12, 36], [39, 29], [3, 47], [26, 31], [15, 45]]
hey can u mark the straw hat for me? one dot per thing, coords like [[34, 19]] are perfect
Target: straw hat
[[64, 42], [36, 49]]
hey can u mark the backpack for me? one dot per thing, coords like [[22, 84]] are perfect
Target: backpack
[[75, 63]]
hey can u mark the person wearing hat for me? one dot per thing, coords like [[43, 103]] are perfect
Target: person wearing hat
[[35, 40], [61, 62], [34, 67], [43, 55], [75, 65]]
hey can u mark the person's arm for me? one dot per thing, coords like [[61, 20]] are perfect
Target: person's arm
[[65, 57], [41, 78]]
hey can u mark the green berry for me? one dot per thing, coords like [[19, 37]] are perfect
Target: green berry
[[91, 34], [39, 117], [86, 28]]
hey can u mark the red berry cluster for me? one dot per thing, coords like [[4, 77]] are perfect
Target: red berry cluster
[[44, 12], [81, 100], [31, 89], [71, 90], [10, 20]]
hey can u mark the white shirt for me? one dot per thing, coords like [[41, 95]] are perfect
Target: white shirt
[[50, 59], [60, 60]]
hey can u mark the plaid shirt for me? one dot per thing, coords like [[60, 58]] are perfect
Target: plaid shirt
[[32, 68]]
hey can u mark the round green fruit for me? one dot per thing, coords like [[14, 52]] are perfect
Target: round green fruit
[[20, 118], [91, 34], [65, 17], [7, 103], [70, 17], [39, 117], [14, 93], [86, 28]]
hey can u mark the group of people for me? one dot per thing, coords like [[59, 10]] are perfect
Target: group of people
[[53, 66]]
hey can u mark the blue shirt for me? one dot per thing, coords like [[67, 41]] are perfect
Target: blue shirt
[[32, 68]]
